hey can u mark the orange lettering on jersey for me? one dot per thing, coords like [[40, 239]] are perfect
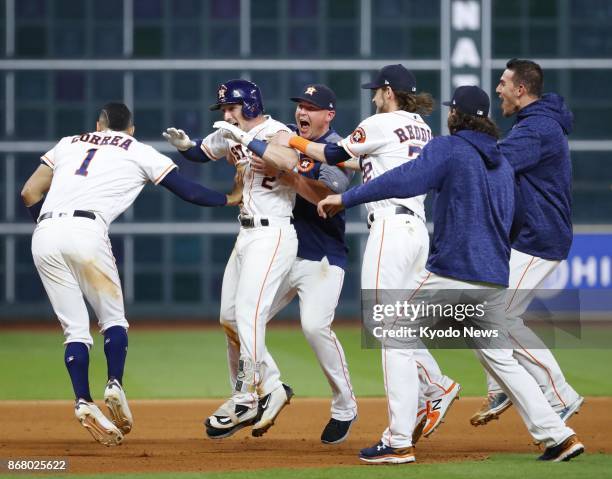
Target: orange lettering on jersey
[[358, 136]]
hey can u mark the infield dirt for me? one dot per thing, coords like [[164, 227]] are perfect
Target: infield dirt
[[169, 436]]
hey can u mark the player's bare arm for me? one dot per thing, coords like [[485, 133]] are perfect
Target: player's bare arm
[[330, 206], [322, 152], [352, 164], [35, 188], [37, 185]]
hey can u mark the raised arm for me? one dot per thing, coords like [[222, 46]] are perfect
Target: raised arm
[[189, 149]]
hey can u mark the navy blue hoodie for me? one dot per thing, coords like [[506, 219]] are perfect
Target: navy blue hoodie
[[538, 150], [473, 208]]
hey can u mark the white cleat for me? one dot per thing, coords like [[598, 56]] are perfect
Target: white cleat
[[270, 407], [438, 408], [99, 426], [116, 402]]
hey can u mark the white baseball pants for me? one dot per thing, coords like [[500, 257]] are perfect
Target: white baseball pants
[[541, 420], [74, 258], [259, 263], [527, 274]]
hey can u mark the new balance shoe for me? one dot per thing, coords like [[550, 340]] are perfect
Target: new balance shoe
[[270, 407], [438, 408], [336, 431], [421, 420], [229, 418], [116, 402], [565, 451], [382, 454], [567, 412], [492, 408], [99, 426]]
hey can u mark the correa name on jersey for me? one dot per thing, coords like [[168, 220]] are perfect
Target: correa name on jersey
[[102, 140], [318, 237]]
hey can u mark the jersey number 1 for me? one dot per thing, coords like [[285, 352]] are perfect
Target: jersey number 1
[[83, 168]]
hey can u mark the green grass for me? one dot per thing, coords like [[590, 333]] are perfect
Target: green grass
[[507, 466], [192, 364]]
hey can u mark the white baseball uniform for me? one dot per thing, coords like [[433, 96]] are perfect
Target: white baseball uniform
[[398, 245], [97, 174], [260, 261], [527, 274]]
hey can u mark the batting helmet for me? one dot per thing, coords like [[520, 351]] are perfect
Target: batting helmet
[[241, 92]]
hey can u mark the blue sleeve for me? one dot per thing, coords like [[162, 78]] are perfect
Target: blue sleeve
[[522, 148], [191, 191], [412, 178], [335, 154], [195, 153]]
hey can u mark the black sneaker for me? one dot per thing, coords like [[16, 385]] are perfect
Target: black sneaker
[[336, 431]]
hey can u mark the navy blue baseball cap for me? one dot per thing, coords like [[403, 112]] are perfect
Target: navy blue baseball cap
[[470, 100], [395, 76], [318, 95]]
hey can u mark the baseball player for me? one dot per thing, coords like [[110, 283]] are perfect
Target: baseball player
[[398, 243], [89, 180], [317, 274], [264, 252], [538, 150], [473, 215]]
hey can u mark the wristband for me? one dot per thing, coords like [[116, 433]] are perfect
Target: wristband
[[258, 147], [299, 143]]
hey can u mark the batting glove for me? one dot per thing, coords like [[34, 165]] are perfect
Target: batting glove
[[178, 139], [233, 132]]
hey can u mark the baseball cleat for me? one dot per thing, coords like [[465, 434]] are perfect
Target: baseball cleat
[[336, 431], [492, 408], [438, 408], [382, 454], [567, 412], [116, 402], [420, 422], [270, 407], [229, 419], [99, 426], [565, 451]]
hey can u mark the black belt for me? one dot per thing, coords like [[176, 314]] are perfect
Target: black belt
[[399, 210], [249, 221], [78, 213]]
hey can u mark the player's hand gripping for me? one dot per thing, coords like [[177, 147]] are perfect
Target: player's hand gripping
[[232, 132], [330, 206], [178, 139]]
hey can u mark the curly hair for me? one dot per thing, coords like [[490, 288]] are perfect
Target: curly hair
[[421, 103], [458, 121]]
